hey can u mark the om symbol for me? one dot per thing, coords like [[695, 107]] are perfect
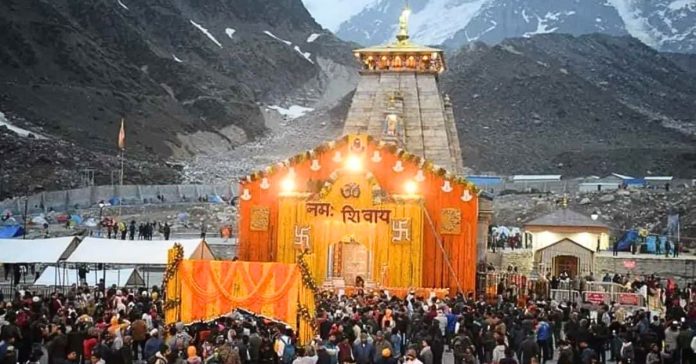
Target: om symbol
[[350, 190]]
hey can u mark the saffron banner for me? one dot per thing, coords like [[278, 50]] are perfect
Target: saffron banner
[[208, 289]]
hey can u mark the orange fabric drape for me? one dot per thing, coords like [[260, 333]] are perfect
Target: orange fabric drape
[[208, 289]]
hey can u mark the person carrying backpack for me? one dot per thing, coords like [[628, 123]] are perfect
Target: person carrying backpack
[[285, 348]]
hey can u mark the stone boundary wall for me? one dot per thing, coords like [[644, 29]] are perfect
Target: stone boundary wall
[[522, 259], [129, 194], [682, 270]]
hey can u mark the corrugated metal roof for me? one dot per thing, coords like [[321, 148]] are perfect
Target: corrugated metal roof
[[659, 178], [622, 176], [566, 217], [537, 177]]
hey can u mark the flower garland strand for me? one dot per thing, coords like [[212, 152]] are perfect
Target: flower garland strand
[[308, 282], [174, 256]]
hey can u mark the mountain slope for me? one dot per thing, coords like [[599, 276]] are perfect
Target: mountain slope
[[185, 74], [578, 106], [667, 25]]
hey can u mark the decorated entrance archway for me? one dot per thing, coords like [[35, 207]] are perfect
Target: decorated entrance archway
[[416, 220]]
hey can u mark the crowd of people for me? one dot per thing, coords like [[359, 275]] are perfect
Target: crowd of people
[[127, 231], [123, 326]]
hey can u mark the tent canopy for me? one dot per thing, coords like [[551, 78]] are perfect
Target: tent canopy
[[11, 231], [141, 252], [37, 250], [67, 277]]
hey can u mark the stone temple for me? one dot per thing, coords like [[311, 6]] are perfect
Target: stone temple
[[398, 99]]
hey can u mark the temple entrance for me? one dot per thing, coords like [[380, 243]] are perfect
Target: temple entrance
[[355, 262], [565, 263]]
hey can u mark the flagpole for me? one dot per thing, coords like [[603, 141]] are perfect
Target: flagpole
[[122, 148], [120, 189]]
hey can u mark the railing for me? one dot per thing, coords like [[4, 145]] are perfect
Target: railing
[[607, 287], [561, 295]]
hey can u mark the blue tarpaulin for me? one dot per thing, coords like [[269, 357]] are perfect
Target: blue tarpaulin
[[627, 240], [663, 243], [651, 244], [215, 199], [11, 231], [115, 201], [77, 219]]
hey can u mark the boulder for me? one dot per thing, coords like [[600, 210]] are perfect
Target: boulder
[[585, 201], [607, 198]]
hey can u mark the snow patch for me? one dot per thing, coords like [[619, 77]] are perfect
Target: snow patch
[[636, 24], [681, 4], [526, 17], [122, 4], [229, 32], [297, 49], [293, 112], [306, 55], [543, 26], [176, 58], [439, 20], [21, 132], [276, 38], [206, 32], [312, 37]]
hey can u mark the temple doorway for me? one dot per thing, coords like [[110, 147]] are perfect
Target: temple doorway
[[355, 262], [565, 263], [350, 260]]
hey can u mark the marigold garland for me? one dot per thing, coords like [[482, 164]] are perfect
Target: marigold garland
[[307, 279], [174, 257]]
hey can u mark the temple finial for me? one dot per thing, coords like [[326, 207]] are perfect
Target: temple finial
[[402, 36]]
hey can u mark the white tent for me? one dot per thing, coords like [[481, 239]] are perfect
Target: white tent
[[136, 252], [67, 277], [36, 250]]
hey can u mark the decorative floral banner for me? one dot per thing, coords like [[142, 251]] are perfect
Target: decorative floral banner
[[207, 289]]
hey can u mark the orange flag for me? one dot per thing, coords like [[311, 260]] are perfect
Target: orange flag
[[122, 137]]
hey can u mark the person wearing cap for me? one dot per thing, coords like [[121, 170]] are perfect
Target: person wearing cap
[[152, 345]]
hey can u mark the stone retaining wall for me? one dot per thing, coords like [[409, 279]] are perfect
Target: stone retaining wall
[[129, 194], [522, 259], [683, 270]]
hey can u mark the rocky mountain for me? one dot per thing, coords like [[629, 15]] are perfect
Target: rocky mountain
[[587, 105], [187, 75], [667, 25]]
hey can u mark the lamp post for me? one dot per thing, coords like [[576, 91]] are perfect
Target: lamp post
[[101, 209], [594, 216], [26, 208]]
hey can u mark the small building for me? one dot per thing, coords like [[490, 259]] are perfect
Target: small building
[[566, 256], [658, 182], [595, 184], [554, 233], [626, 181], [537, 182]]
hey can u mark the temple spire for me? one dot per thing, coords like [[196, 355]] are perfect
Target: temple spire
[[402, 36]]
